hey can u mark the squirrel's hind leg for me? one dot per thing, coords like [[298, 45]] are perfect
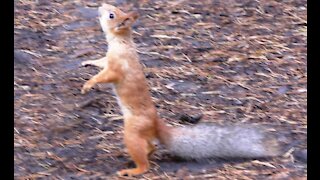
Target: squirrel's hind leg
[[138, 149], [151, 148]]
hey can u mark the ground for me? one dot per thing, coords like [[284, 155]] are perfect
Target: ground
[[231, 61]]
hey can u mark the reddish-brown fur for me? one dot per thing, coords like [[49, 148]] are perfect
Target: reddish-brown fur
[[142, 125], [122, 68]]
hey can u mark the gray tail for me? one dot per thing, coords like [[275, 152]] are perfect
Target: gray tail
[[208, 140]]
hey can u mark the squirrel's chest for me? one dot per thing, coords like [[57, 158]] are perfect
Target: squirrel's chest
[[125, 109], [119, 47]]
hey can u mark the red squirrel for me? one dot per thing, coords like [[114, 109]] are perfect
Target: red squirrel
[[142, 125]]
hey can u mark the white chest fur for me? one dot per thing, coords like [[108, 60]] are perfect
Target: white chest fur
[[125, 110]]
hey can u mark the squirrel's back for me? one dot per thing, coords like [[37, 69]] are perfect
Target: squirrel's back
[[208, 140]]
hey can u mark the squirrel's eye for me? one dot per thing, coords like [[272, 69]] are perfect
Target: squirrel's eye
[[111, 15]]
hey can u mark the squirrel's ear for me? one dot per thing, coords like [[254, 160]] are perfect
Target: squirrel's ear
[[134, 15], [131, 17]]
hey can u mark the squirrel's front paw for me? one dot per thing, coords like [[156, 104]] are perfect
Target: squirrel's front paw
[[86, 87], [85, 63]]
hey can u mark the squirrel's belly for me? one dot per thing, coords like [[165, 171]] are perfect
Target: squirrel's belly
[[124, 109]]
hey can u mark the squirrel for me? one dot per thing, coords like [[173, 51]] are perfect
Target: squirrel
[[142, 125]]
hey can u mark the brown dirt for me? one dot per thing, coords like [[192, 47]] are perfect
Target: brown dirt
[[231, 61]]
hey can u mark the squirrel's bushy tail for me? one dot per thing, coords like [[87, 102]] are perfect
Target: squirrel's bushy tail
[[208, 140]]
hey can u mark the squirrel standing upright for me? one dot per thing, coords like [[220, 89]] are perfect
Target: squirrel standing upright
[[142, 124]]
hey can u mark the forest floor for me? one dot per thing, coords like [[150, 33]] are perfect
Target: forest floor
[[231, 61]]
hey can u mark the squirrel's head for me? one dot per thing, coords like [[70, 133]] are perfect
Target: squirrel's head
[[115, 21]]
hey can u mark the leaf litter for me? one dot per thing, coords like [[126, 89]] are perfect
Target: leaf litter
[[230, 61]]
